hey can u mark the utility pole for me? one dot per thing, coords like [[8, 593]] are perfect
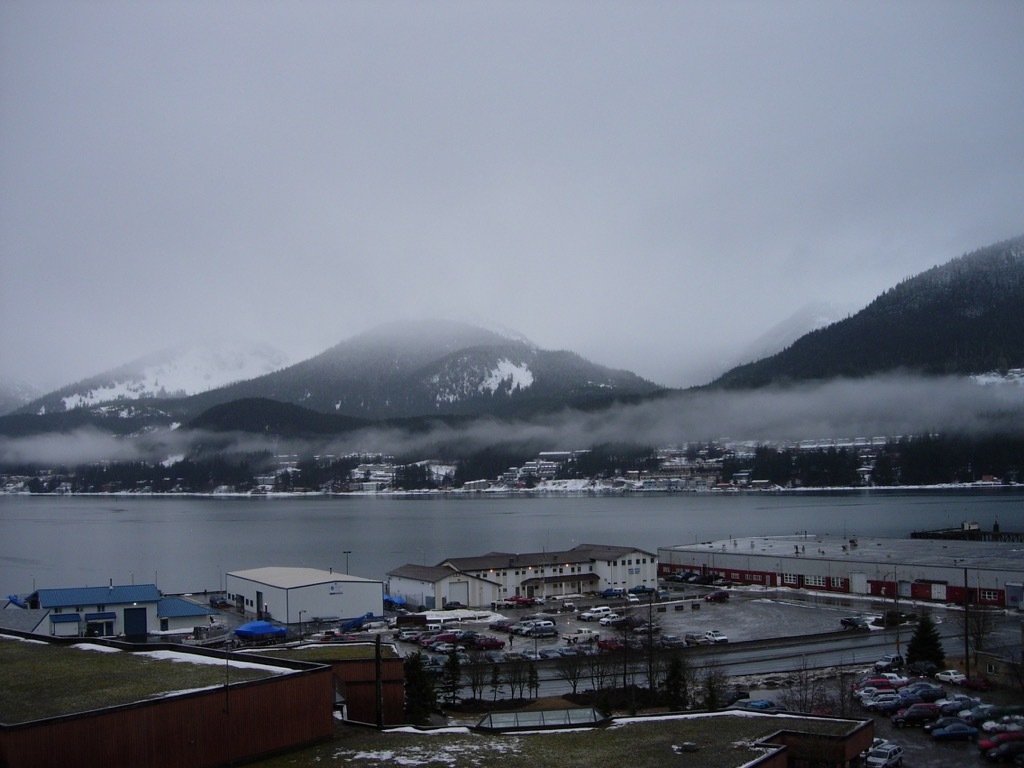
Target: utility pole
[[967, 627]]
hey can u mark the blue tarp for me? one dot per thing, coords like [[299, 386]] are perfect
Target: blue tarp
[[397, 599], [260, 629], [17, 601]]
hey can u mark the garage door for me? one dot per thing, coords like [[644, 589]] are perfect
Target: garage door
[[458, 592]]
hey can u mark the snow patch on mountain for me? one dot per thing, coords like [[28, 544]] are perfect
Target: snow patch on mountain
[[181, 372], [520, 375]]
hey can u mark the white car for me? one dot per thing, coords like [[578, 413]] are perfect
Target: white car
[[715, 636], [885, 756], [951, 676], [608, 620]]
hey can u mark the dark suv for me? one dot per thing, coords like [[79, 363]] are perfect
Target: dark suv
[[916, 714]]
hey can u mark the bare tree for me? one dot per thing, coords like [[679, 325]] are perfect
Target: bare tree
[[517, 673], [477, 673], [571, 670], [601, 668], [978, 623]]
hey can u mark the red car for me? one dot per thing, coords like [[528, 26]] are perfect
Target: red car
[[485, 643], [610, 644], [521, 601], [1000, 738], [720, 596], [977, 684]]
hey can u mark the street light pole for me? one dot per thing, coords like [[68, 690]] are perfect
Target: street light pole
[[346, 552], [300, 624], [896, 604]]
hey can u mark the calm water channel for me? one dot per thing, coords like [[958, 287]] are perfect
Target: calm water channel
[[187, 544]]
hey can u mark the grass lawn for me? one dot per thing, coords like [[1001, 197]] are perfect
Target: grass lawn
[[724, 742], [42, 680]]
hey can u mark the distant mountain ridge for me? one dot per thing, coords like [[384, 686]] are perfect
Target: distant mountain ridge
[[405, 370], [396, 372], [176, 372], [965, 317]]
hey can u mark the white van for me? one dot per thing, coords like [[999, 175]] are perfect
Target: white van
[[595, 613]]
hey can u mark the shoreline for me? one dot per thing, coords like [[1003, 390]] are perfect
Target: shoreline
[[540, 490]]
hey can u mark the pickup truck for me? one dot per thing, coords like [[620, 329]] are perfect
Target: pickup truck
[[581, 636]]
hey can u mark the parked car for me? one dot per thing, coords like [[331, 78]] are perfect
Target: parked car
[[915, 714], [977, 684], [951, 676], [595, 613], [958, 731], [718, 596], [641, 589], [881, 699], [693, 638], [884, 756], [942, 722], [978, 714], [609, 619], [923, 668], [610, 644], [926, 691], [672, 641], [993, 741], [633, 599], [889, 662], [613, 592], [1010, 750], [1004, 724], [454, 605], [951, 705], [716, 637], [854, 622], [895, 680], [487, 643], [892, 706]]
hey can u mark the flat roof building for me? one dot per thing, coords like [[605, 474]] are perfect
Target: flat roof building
[[948, 571], [294, 595]]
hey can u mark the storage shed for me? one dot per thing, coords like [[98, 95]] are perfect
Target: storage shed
[[295, 595]]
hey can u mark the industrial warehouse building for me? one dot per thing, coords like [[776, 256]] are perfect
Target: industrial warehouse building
[[294, 595], [948, 571], [114, 611]]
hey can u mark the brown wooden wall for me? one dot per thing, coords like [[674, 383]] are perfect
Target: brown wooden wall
[[356, 680], [194, 730]]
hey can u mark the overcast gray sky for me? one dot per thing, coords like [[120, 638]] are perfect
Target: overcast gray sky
[[649, 184]]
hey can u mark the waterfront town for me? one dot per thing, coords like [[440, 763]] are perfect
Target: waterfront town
[[355, 650]]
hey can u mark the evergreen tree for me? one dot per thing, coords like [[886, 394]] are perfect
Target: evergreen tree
[[926, 644], [451, 678], [677, 693], [420, 697]]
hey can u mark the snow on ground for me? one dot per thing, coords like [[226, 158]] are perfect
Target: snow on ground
[[94, 647], [197, 659]]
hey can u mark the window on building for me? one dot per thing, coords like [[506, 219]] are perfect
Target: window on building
[[790, 578], [57, 610], [814, 581], [989, 594], [836, 582], [992, 669]]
